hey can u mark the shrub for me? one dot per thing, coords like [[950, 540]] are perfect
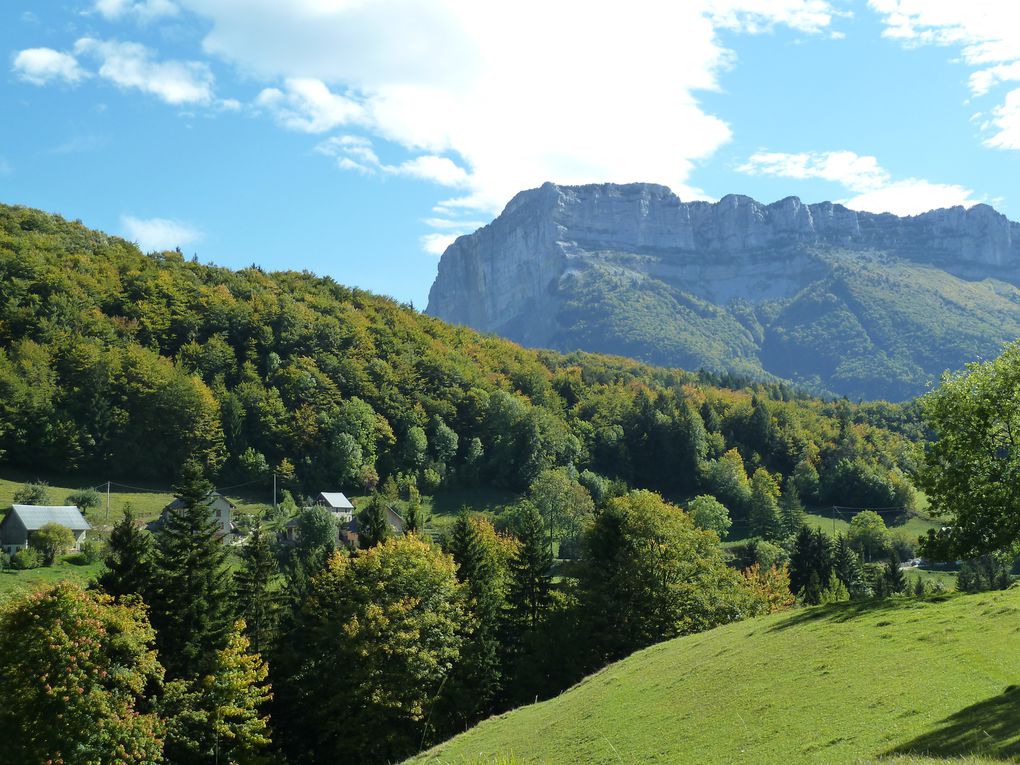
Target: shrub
[[27, 558], [92, 550], [52, 540]]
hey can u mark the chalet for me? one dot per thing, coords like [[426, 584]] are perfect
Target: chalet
[[338, 504], [220, 508], [23, 520]]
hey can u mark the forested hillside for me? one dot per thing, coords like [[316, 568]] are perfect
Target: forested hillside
[[133, 363]]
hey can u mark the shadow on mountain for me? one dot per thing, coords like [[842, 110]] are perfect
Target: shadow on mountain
[[990, 728], [850, 610]]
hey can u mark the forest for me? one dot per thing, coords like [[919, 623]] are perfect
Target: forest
[[304, 650]]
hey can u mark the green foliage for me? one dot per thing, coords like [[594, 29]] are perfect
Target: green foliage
[[85, 499], [217, 717], [710, 514], [765, 516], [379, 635], [114, 359], [530, 571], [92, 550], [255, 589], [27, 558], [190, 606], [33, 493], [727, 480], [971, 470], [51, 540], [989, 572], [868, 534], [894, 581], [130, 569], [811, 564], [565, 505], [373, 525], [847, 566], [75, 669], [650, 574]]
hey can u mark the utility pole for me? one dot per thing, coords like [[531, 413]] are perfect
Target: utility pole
[[833, 521], [274, 492], [107, 501]]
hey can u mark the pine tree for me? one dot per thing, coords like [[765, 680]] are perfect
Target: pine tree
[[919, 589], [129, 565], [217, 717], [414, 517], [847, 565], [790, 507], [373, 527], [895, 581], [530, 571], [811, 564], [253, 587], [766, 520], [191, 605], [480, 567]]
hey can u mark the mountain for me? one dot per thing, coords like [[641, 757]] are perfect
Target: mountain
[[849, 683], [122, 364], [861, 304]]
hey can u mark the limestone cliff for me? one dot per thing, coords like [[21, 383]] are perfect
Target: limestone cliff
[[568, 267]]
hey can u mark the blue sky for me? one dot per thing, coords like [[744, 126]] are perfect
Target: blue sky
[[355, 137]]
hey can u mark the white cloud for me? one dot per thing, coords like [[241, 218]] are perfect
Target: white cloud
[[356, 153], [158, 233], [855, 172], [142, 10], [436, 244], [872, 185], [494, 99], [132, 65], [987, 32], [1006, 121], [40, 66], [912, 197], [309, 106]]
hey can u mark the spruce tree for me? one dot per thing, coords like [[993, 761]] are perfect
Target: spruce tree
[[373, 527], [479, 681], [765, 517], [895, 581], [255, 598], [414, 517], [847, 565], [530, 571], [129, 565], [190, 610], [790, 507]]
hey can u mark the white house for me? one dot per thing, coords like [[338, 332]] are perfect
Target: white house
[[220, 507], [23, 520], [338, 504]]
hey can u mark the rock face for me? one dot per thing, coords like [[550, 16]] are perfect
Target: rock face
[[515, 275]]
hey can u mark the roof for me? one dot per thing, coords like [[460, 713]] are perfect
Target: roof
[[336, 500], [178, 503], [35, 517]]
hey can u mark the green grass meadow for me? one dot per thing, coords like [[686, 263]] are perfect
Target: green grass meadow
[[894, 681]]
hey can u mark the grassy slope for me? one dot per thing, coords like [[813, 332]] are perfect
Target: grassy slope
[[838, 684]]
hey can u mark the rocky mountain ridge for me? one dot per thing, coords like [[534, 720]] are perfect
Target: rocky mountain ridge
[[545, 270]]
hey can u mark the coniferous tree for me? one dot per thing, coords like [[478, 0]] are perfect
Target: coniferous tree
[[373, 527], [414, 517], [129, 565], [847, 565], [765, 517], [482, 566], [218, 716], [811, 564], [791, 509], [254, 588], [191, 606], [919, 589], [530, 571], [895, 581]]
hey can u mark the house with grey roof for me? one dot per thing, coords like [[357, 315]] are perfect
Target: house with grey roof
[[338, 504], [24, 520], [221, 510]]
